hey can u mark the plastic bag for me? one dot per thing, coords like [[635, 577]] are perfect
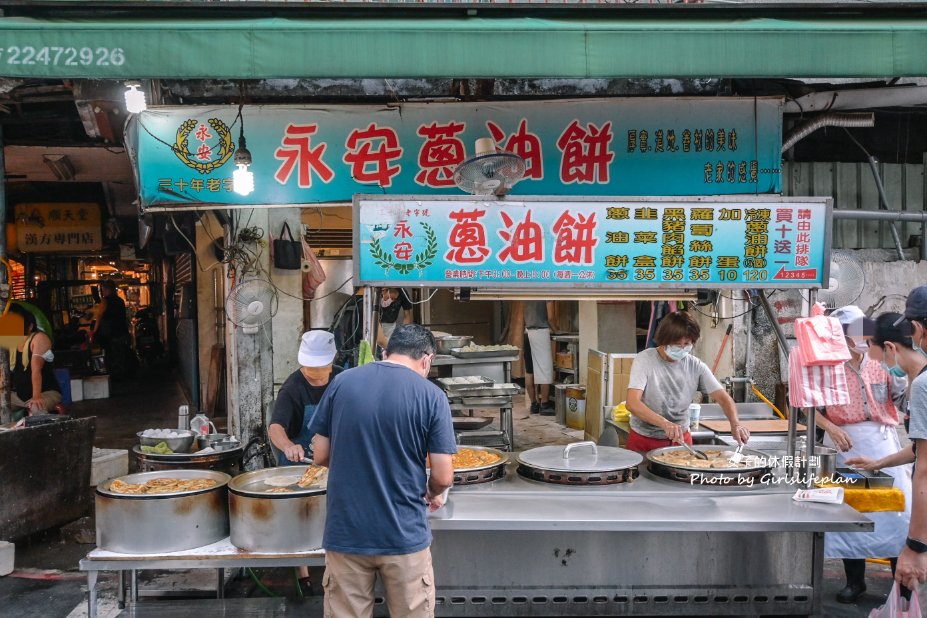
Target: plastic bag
[[313, 273], [815, 386], [821, 339], [897, 607]]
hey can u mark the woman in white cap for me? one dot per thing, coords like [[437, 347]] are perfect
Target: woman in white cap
[[300, 394], [866, 428]]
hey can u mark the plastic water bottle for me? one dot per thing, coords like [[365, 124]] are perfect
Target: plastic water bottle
[[200, 424], [183, 417], [695, 411]]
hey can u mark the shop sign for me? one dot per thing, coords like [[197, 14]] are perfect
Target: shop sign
[[602, 243], [58, 227], [643, 146]]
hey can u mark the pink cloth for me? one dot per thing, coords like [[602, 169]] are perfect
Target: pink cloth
[[816, 386], [821, 339]]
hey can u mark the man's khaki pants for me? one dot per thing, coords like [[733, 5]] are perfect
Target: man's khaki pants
[[407, 578]]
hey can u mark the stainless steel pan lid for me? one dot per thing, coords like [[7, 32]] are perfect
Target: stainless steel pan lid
[[580, 457], [221, 479], [252, 484]]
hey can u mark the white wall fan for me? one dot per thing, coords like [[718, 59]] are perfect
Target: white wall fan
[[251, 304], [490, 171], [846, 283]]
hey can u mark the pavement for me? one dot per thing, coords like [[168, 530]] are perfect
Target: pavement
[[47, 583]]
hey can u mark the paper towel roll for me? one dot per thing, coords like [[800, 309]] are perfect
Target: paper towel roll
[[305, 266]]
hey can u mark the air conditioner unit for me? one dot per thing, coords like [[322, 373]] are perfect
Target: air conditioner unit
[[331, 243]]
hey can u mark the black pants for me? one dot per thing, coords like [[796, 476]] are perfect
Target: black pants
[[855, 569]]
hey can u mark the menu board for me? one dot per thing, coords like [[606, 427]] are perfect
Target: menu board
[[601, 243]]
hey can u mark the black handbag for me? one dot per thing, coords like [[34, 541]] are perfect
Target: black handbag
[[288, 254]]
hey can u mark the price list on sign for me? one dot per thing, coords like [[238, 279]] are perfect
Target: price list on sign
[[593, 243]]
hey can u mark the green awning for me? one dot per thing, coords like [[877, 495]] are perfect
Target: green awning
[[510, 47]]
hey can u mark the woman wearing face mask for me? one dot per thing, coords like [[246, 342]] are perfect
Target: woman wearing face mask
[[35, 387], [663, 383], [866, 427]]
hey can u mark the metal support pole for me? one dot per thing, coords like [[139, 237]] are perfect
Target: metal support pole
[[6, 410], [883, 203], [809, 445]]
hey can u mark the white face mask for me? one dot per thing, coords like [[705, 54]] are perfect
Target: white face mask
[[386, 302], [678, 352], [859, 345]]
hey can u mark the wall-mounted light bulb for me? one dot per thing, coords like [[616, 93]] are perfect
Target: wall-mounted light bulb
[[243, 177], [135, 100], [242, 180]]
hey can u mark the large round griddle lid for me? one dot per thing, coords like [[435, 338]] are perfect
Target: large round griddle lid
[[580, 457]]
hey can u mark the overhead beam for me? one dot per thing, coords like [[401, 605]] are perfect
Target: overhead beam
[[586, 46]]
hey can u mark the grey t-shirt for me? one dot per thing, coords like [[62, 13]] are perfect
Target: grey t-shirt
[[536, 314], [917, 408], [668, 388]]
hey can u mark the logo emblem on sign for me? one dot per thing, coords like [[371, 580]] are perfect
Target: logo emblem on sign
[[205, 159]]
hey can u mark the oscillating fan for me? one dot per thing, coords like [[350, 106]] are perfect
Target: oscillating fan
[[489, 171], [251, 304], [846, 282]]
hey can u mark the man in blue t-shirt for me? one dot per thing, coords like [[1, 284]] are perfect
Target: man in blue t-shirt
[[373, 428]]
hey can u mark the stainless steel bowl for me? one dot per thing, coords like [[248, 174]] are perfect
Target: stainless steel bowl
[[178, 445], [211, 439], [446, 344]]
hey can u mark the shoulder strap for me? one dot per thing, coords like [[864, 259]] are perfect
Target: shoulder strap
[[286, 229]]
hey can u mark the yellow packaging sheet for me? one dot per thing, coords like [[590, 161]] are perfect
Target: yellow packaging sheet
[[875, 500]]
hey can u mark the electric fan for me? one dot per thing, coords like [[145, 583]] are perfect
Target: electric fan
[[251, 304]]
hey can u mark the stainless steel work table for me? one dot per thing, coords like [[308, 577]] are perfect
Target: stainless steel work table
[[220, 556], [499, 369], [649, 547]]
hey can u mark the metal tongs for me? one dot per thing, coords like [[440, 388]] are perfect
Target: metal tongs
[[738, 455], [698, 454]]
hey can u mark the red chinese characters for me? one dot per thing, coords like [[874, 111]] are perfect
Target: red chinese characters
[[297, 153], [586, 155], [403, 250], [525, 242], [523, 143], [370, 153], [204, 152], [575, 239], [402, 229], [202, 133], [440, 154], [467, 238]]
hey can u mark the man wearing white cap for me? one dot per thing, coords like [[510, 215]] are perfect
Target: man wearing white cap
[[300, 394]]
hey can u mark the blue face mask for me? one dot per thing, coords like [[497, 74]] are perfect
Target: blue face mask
[[678, 352], [895, 372]]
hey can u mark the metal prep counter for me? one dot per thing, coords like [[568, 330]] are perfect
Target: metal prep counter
[[499, 369], [650, 547]]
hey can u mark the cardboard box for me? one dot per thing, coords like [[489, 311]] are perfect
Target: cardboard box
[[564, 360], [96, 387], [108, 463], [77, 389]]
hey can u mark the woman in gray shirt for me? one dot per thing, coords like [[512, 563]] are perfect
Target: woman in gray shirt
[[664, 381]]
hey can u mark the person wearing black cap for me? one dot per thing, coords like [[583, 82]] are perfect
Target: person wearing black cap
[[912, 562], [866, 427]]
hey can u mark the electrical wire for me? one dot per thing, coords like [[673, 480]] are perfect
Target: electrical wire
[[309, 300], [753, 305], [199, 264]]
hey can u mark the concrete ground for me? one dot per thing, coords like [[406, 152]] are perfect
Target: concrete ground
[[47, 583]]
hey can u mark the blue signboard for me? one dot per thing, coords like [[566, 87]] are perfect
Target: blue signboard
[[643, 146], [601, 243]]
